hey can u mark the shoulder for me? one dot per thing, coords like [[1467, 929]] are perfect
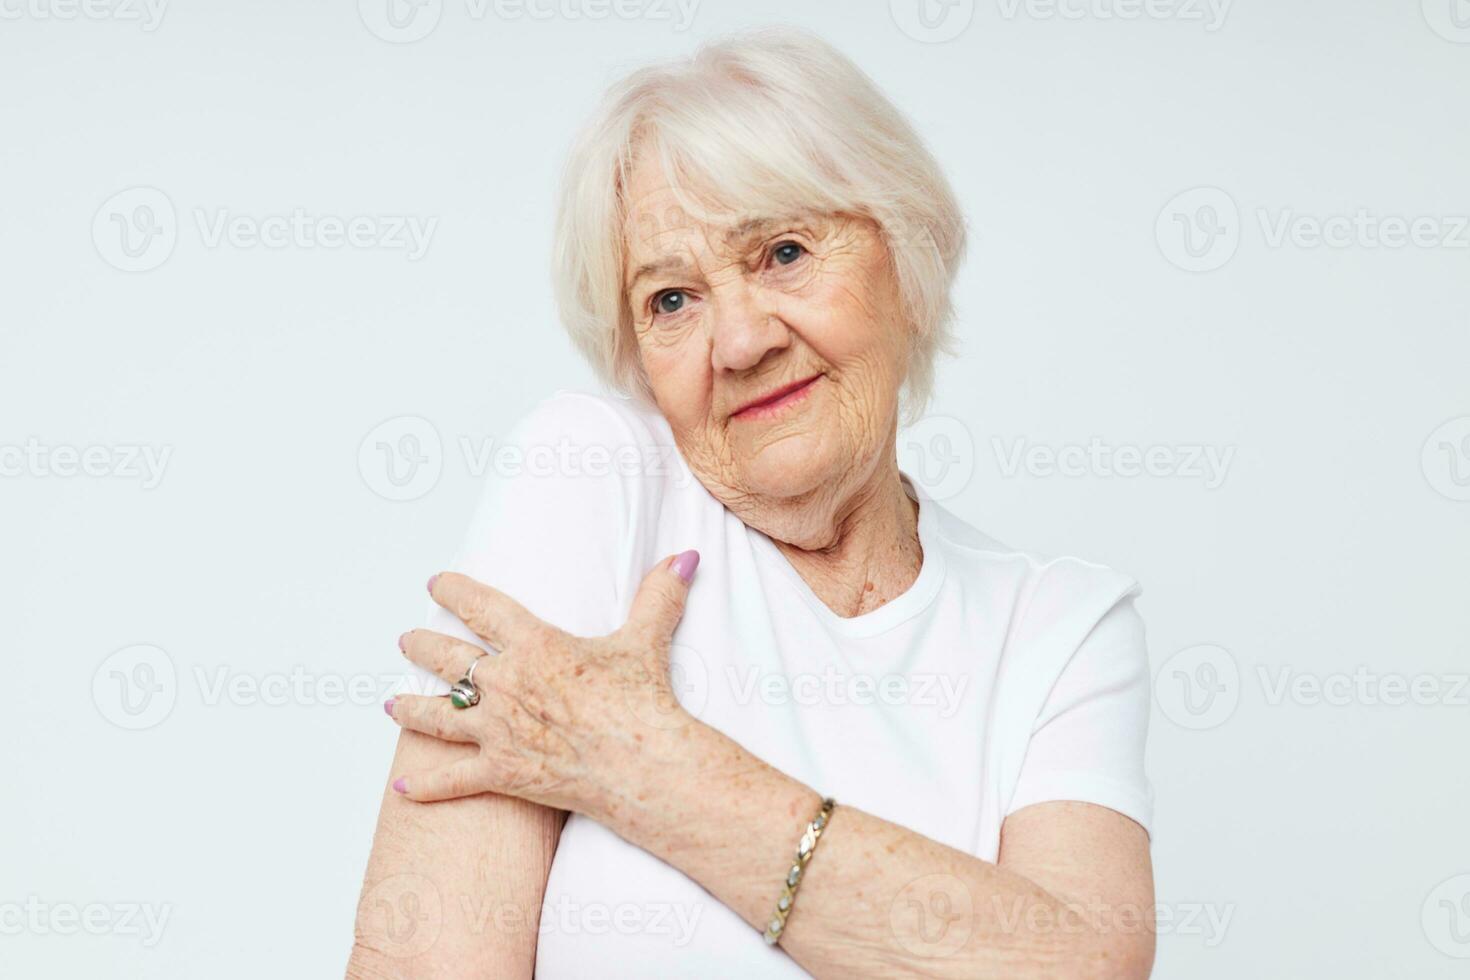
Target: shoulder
[[1052, 613], [593, 417], [1049, 584], [570, 452], [567, 492], [592, 443], [604, 464]]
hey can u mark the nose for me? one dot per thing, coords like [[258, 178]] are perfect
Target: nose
[[744, 330]]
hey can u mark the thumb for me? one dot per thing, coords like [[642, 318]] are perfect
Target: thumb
[[659, 604]]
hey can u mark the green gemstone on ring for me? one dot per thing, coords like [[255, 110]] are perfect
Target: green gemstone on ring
[[460, 698]]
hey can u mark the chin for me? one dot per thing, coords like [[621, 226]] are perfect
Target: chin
[[794, 466]]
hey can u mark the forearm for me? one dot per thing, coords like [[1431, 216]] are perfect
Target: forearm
[[876, 900], [453, 889]]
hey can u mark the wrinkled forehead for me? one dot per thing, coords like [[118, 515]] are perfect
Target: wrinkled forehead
[[663, 216]]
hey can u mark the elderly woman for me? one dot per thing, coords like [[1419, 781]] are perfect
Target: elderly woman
[[640, 779]]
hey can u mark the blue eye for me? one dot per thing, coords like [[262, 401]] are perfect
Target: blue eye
[[787, 252], [670, 301]]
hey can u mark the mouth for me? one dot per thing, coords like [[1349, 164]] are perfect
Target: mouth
[[777, 399]]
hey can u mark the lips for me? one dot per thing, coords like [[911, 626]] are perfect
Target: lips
[[775, 399]]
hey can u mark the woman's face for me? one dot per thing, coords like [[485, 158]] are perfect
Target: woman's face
[[774, 344]]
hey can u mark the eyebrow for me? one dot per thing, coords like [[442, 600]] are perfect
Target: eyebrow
[[751, 227], [656, 267], [743, 230]]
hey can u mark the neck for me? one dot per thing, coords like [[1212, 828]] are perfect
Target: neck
[[864, 550]]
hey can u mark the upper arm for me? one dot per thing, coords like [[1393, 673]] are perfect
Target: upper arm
[[1093, 860], [455, 887], [1087, 742], [1078, 822]]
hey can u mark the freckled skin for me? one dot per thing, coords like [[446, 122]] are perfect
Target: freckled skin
[[820, 478]]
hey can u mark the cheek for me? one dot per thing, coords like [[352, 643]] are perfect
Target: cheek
[[853, 324], [678, 371]]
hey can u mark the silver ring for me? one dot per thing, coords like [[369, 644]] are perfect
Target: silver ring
[[469, 675], [464, 693]]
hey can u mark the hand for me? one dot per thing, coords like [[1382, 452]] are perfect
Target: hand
[[562, 720]]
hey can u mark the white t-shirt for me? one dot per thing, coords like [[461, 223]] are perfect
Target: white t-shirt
[[997, 680]]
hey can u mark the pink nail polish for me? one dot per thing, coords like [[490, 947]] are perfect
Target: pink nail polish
[[685, 564], [388, 706], [400, 785], [432, 580], [403, 643]]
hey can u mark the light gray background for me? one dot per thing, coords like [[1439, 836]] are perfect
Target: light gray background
[[1328, 833]]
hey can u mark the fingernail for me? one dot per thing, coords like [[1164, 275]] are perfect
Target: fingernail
[[403, 643], [388, 706], [432, 580], [684, 565], [400, 785]]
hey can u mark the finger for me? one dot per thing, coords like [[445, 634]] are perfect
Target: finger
[[467, 777], [491, 613], [659, 604], [432, 716], [446, 656]]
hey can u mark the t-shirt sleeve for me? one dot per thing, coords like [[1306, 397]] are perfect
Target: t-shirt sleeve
[[551, 528], [1088, 741]]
